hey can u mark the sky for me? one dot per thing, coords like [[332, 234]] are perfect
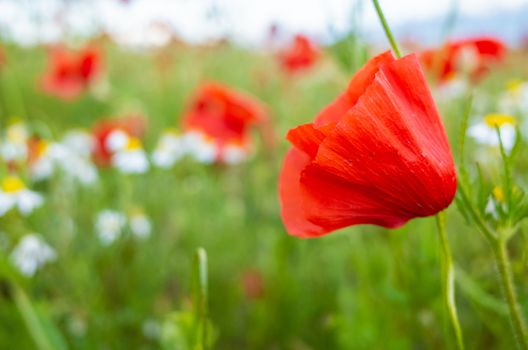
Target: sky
[[246, 21]]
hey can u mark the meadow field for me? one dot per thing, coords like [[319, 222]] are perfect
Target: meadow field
[[364, 287]]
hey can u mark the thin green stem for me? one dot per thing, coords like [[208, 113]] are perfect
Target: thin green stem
[[448, 279], [386, 28], [503, 266], [31, 319], [201, 305]]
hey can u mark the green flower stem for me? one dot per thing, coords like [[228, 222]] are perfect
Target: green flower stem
[[201, 298], [448, 279], [30, 318], [503, 266], [386, 28]]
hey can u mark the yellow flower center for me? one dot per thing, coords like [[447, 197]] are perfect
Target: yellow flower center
[[498, 193], [497, 120], [133, 144], [12, 184]]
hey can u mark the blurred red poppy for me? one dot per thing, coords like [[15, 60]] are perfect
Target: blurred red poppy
[[223, 116], [302, 54], [377, 155], [133, 125], [253, 284], [472, 56], [70, 73]]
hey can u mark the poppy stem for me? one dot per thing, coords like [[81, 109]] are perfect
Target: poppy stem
[[386, 28], [448, 279], [503, 266]]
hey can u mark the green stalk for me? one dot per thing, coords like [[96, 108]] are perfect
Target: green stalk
[[30, 318], [503, 266], [448, 279], [386, 28], [201, 303]]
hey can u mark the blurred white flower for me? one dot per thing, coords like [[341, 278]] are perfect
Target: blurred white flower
[[79, 141], [515, 97], [140, 225], [73, 164], [131, 159], [15, 147], [200, 147], [117, 140], [485, 131], [109, 225], [169, 150], [454, 87], [234, 153], [41, 162], [14, 194], [31, 253]]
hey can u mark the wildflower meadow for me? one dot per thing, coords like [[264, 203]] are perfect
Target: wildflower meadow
[[298, 194]]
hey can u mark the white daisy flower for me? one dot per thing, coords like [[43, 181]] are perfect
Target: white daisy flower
[[14, 194], [117, 140], [200, 147], [80, 142], [14, 147], [169, 150], [73, 164], [132, 159], [234, 153], [31, 253], [41, 166], [485, 132], [140, 225], [515, 98], [109, 225]]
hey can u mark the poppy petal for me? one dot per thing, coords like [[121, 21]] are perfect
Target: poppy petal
[[330, 115], [306, 138], [292, 210]]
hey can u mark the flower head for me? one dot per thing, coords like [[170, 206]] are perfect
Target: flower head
[[14, 146], [15, 194], [219, 117], [377, 155], [31, 253], [69, 73], [485, 132], [169, 150], [129, 156], [140, 224], [301, 55], [111, 135], [109, 225], [471, 57]]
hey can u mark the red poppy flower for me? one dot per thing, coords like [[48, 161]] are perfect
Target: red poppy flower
[[224, 117], [300, 55], [134, 125], [377, 155], [69, 73], [472, 56]]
